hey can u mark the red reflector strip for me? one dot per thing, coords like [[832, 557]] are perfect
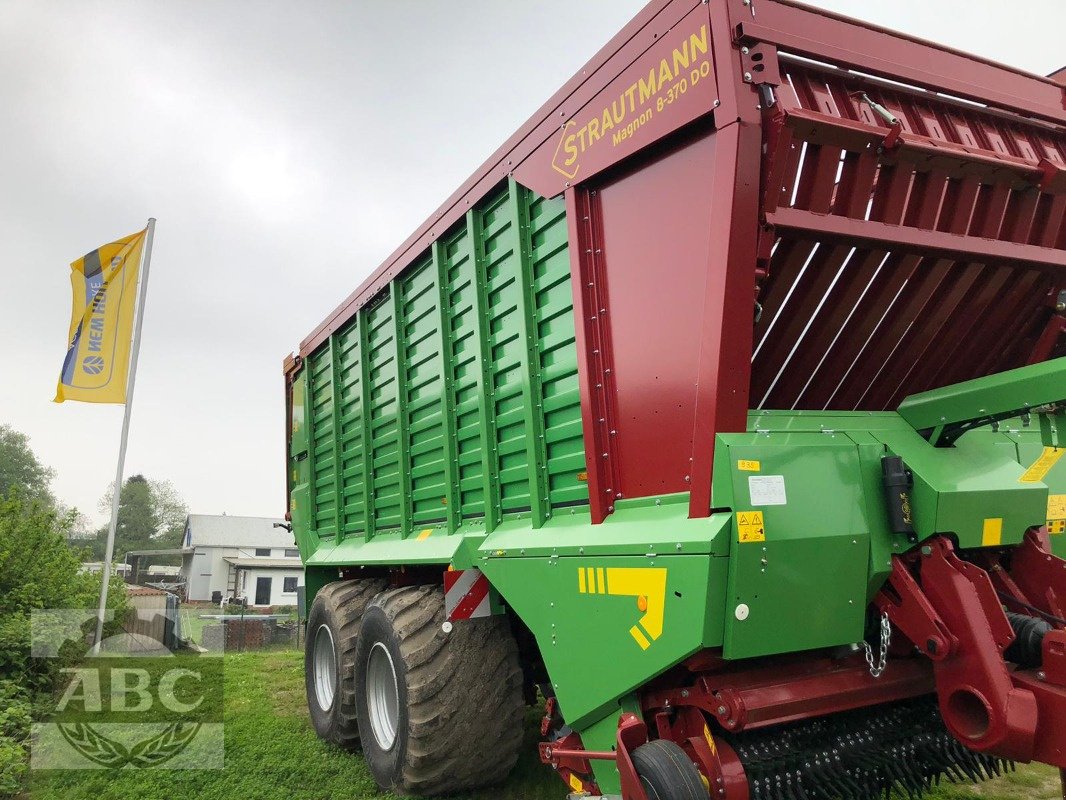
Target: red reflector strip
[[466, 595]]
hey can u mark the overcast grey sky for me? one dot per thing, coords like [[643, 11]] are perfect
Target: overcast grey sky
[[286, 148]]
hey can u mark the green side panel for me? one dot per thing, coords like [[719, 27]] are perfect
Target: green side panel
[[451, 399], [1024, 443], [605, 625], [800, 581], [958, 489]]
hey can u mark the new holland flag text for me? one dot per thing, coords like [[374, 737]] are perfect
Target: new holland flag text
[[101, 322]]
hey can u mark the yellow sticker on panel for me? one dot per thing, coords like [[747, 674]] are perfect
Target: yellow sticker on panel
[[748, 466], [750, 527], [992, 533], [1056, 506], [1042, 466]]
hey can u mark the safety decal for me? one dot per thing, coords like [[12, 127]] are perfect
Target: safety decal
[[646, 584], [1056, 506], [466, 595], [750, 527], [1042, 466]]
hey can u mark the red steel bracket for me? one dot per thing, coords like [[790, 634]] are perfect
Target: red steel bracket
[[910, 610], [760, 64], [1040, 574], [1052, 177], [983, 705]]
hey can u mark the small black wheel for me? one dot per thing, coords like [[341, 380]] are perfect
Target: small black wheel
[[439, 712], [329, 674], [667, 773]]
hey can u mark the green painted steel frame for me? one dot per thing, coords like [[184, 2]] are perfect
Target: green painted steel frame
[[447, 366], [995, 397], [403, 420], [368, 453]]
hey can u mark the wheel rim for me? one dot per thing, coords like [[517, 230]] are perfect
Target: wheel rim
[[382, 696], [325, 668]]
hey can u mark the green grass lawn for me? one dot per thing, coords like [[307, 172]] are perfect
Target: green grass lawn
[[271, 751]]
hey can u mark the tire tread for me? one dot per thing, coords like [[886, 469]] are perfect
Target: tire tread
[[464, 690]]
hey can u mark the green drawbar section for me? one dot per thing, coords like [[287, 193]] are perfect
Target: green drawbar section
[[453, 395]]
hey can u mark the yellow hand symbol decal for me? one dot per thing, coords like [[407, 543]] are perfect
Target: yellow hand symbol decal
[[646, 584]]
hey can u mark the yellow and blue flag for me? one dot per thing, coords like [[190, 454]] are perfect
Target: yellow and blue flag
[[101, 322]]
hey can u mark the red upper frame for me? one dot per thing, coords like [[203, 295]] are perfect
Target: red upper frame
[[950, 196], [794, 26]]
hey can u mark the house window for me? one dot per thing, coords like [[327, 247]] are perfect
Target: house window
[[262, 551], [290, 586], [292, 552]]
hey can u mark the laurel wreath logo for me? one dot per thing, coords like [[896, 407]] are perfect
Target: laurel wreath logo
[[151, 752]]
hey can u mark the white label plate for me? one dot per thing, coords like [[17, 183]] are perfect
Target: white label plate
[[767, 490]]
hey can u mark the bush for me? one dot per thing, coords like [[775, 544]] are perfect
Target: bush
[[38, 570]]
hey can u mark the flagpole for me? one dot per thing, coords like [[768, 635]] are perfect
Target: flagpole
[[117, 494]]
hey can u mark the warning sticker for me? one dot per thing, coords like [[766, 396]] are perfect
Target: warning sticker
[[1056, 506], [767, 490], [1042, 466], [749, 466], [750, 527]]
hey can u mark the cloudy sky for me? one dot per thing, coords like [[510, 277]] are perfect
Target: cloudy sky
[[286, 149]]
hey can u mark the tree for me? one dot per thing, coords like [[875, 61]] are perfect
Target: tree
[[38, 571], [171, 510], [20, 468], [151, 515]]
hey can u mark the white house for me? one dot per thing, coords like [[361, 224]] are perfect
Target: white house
[[237, 557]]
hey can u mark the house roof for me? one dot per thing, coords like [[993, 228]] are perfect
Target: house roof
[[265, 563], [206, 530]]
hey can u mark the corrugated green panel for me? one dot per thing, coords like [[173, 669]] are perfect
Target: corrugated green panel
[[324, 495], [455, 392], [350, 429], [384, 416], [503, 314], [558, 352], [423, 393]]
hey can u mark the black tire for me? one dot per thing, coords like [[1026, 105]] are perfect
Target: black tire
[[338, 609], [667, 773], [459, 710]]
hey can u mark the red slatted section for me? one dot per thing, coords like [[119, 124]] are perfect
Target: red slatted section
[[850, 323]]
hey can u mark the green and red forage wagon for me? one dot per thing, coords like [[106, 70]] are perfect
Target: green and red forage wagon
[[721, 413]]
